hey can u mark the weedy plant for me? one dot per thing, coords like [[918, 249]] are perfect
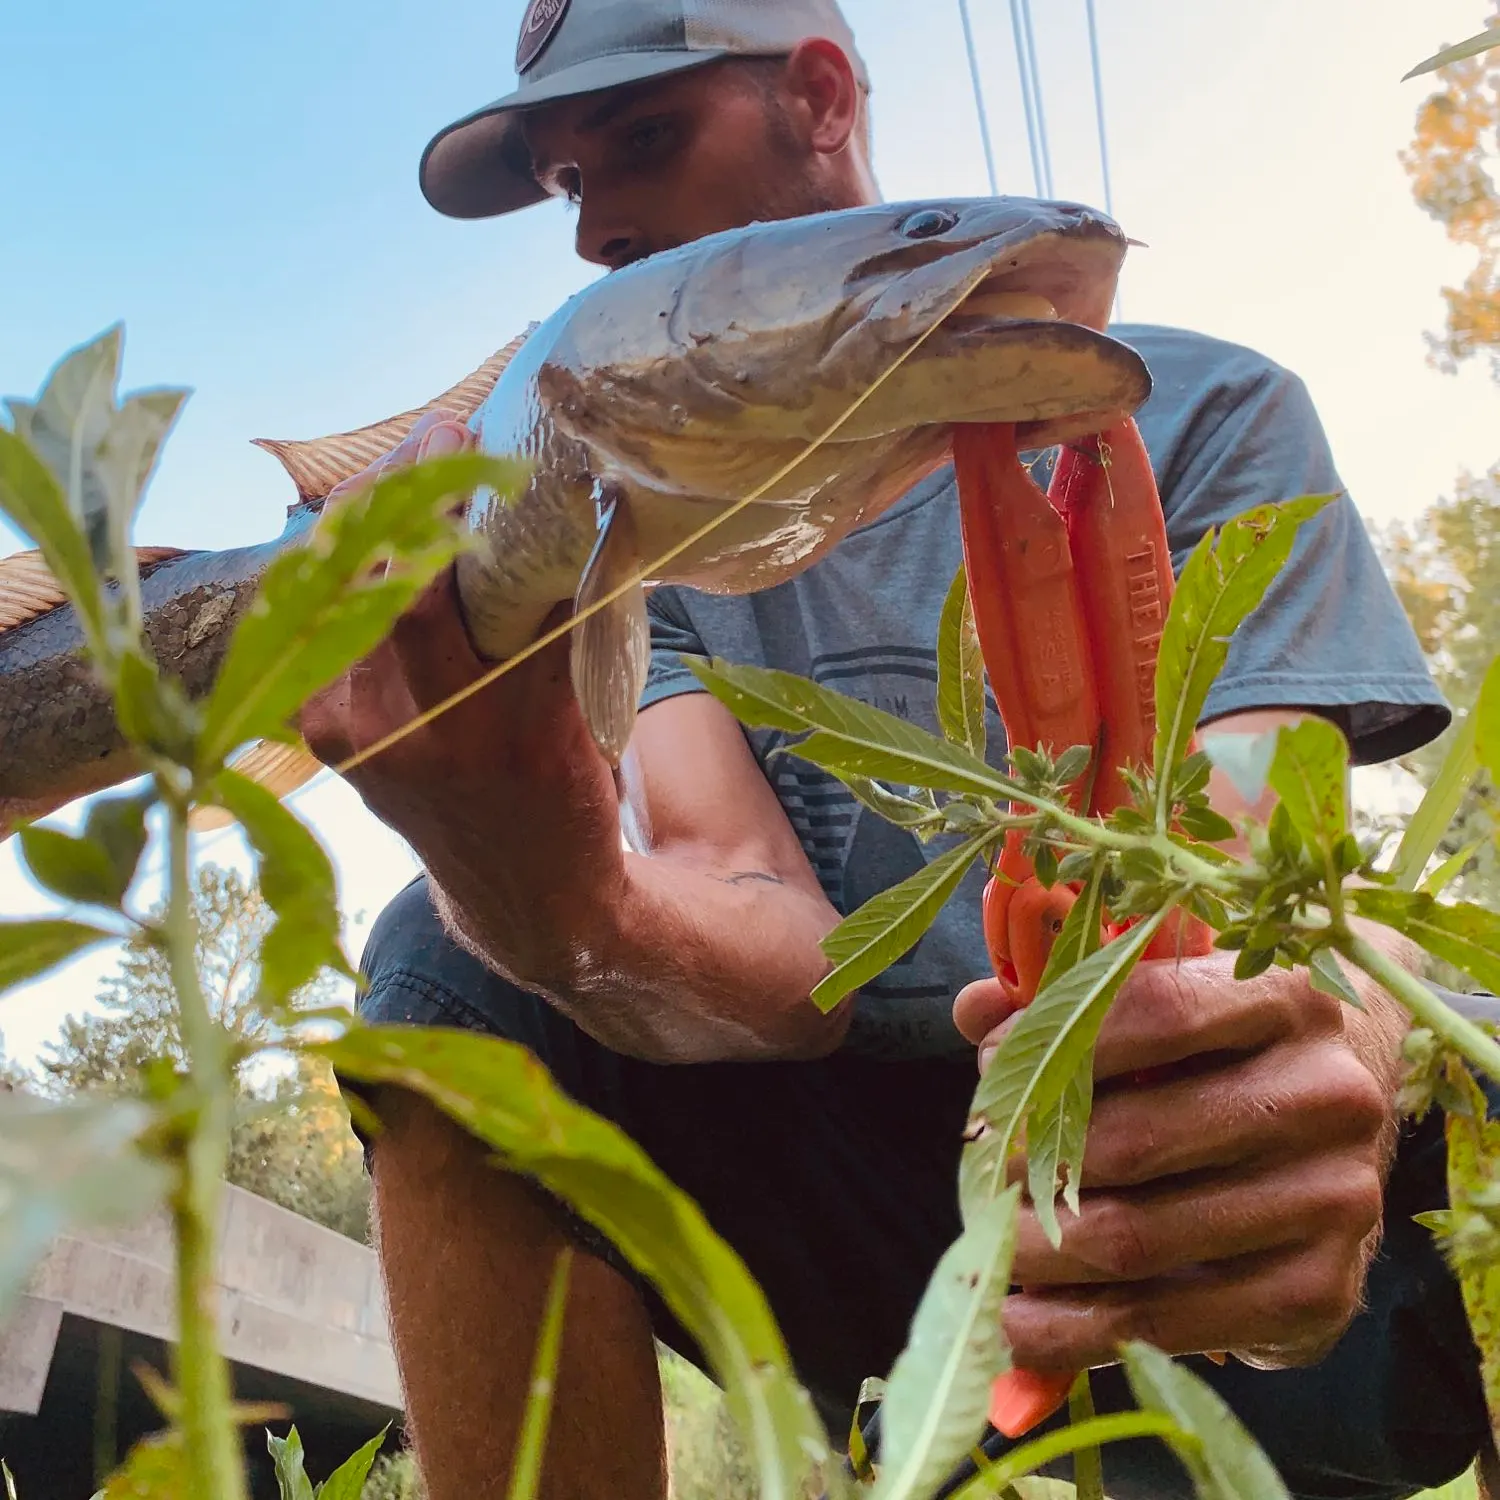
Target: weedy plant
[[72, 473]]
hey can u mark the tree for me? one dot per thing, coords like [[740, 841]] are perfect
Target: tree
[[300, 1152], [294, 1144], [1446, 569], [110, 1052], [1446, 566], [1449, 162]]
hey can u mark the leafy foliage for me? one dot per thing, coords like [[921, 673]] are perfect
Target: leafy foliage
[[502, 1095], [938, 1393]]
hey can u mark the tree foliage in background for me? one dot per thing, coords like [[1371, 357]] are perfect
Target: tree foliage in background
[[293, 1144], [1450, 163], [1446, 570], [1446, 565]]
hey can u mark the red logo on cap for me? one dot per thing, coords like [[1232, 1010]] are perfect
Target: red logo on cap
[[537, 26]]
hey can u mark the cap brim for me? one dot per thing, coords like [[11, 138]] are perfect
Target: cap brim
[[478, 166]]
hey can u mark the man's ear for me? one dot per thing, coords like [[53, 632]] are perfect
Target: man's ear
[[824, 94]]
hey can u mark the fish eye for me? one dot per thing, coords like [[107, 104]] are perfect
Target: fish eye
[[927, 222]]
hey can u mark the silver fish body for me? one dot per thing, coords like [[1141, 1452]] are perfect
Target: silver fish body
[[649, 405]]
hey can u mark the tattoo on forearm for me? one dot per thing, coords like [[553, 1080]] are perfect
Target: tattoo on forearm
[[741, 876]]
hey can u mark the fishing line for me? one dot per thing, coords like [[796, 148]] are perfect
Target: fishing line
[[1109, 197], [984, 123], [1031, 140], [558, 631], [1036, 89]]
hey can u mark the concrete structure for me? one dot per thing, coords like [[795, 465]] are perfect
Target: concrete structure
[[302, 1320]]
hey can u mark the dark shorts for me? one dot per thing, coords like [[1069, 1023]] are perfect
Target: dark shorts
[[835, 1181]]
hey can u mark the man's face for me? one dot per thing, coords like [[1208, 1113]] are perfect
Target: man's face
[[658, 165]]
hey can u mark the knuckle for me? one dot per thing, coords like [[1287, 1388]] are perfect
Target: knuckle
[[1319, 1299], [1119, 1242], [1141, 1321], [1130, 1150], [1164, 998], [1351, 1093], [1356, 1202]]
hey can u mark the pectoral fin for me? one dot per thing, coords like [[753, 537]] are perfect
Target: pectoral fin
[[279, 768], [611, 648]]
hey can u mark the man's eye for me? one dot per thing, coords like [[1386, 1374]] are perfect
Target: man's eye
[[647, 135]]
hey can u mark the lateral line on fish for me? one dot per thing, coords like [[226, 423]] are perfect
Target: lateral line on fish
[[550, 637]]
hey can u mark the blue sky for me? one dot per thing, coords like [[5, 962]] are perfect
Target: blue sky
[[237, 182]]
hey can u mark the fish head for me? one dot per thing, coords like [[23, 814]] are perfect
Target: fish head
[[843, 327]]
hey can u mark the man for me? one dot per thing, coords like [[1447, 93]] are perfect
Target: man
[[1235, 1203]]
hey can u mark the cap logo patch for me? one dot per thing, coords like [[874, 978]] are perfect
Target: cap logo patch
[[538, 24]]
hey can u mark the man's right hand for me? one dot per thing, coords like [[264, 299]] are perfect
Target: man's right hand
[[703, 948], [505, 793]]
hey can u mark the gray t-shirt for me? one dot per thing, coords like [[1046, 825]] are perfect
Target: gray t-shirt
[[1227, 429]]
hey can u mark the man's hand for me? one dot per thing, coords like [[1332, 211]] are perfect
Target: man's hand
[[1234, 1201], [504, 797]]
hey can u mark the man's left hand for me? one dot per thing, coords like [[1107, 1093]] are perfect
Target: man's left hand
[[1232, 1202]]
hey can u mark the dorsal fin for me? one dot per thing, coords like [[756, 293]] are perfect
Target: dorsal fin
[[28, 589], [317, 464]]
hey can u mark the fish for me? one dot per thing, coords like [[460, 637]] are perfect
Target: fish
[[817, 364]]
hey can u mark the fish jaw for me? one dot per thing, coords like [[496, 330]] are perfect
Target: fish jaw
[[794, 331]]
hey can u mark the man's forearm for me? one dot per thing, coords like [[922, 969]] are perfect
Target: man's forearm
[[684, 964]]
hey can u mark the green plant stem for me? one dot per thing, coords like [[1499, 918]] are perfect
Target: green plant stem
[[1029, 1457], [1474, 1045], [1088, 1463], [210, 1438]]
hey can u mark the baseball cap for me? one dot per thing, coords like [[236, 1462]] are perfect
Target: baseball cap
[[479, 166]]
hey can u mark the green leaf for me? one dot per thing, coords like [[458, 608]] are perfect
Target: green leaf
[[1473, 1141], [848, 736], [291, 1474], [1439, 804], [64, 1166], [1450, 869], [319, 609], [31, 498], [500, 1093], [10, 1480], [118, 826], [156, 1469], [938, 1395], [1457, 53], [77, 869], [101, 453], [1326, 973], [1056, 1134], [29, 948], [1055, 1138], [526, 1475], [960, 664], [1309, 773], [68, 423], [1223, 581], [347, 1482], [1206, 824], [1462, 934], [1048, 1043], [297, 880], [904, 812], [1225, 1462], [870, 940], [1486, 716]]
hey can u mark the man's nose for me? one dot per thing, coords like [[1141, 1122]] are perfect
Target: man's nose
[[607, 237]]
